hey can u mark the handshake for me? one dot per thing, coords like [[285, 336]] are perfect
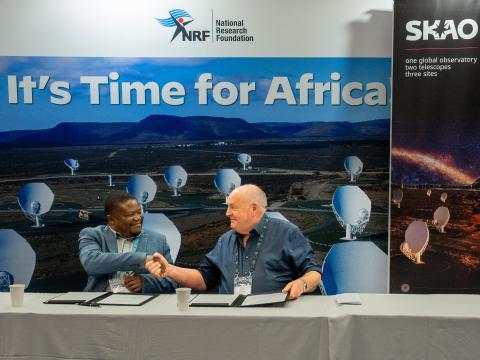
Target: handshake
[[157, 265]]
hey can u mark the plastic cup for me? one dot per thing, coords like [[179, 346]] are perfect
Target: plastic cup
[[183, 298], [16, 294]]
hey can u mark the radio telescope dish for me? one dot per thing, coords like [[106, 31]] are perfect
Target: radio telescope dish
[[416, 241], [429, 192], [17, 258], [72, 164], [354, 167], [352, 208], [441, 217], [397, 197], [35, 200], [244, 159], [355, 267], [6, 279], [443, 197], [159, 223], [176, 178], [226, 180], [143, 188]]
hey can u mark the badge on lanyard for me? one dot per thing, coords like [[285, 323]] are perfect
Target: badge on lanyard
[[242, 284], [117, 286]]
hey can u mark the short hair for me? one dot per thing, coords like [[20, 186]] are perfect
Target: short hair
[[115, 198]]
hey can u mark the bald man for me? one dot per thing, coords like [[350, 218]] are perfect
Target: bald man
[[258, 255]]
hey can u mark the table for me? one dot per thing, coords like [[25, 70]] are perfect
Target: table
[[384, 327]]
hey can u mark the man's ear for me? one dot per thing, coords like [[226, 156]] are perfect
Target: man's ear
[[110, 219]]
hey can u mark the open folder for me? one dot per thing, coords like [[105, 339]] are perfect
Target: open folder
[[105, 298], [74, 297], [210, 300]]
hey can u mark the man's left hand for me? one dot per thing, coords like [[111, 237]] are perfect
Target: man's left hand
[[133, 283], [294, 289]]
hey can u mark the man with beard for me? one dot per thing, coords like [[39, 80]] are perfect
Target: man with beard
[[114, 255]]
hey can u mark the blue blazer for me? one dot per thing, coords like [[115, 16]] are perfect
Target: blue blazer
[[101, 260]]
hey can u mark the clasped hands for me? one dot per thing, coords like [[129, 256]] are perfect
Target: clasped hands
[[157, 265]]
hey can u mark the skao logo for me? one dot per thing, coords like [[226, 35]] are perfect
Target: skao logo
[[440, 30], [179, 19]]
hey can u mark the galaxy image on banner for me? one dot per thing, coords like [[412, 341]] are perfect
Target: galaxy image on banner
[[435, 187]]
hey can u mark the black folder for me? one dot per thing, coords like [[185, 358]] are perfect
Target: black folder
[[86, 300]]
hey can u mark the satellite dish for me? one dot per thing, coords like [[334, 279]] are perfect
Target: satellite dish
[[35, 200], [354, 167], [397, 197], [17, 259], [416, 241], [443, 197], [143, 188], [159, 223], [355, 267], [176, 178], [226, 180], [441, 216], [6, 279], [72, 164], [429, 192], [352, 208], [244, 159]]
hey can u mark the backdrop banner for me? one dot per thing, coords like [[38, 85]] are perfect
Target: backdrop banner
[[200, 96], [435, 210]]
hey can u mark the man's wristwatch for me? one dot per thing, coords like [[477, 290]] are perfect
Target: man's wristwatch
[[305, 286]]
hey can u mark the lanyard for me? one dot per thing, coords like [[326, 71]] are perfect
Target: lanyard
[[135, 243], [253, 262]]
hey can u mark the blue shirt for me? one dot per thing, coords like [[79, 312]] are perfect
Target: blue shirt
[[285, 255]]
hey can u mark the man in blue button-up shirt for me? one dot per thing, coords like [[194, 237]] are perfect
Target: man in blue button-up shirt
[[259, 255]]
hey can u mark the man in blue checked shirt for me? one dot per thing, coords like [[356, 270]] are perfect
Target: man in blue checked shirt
[[114, 255], [258, 255]]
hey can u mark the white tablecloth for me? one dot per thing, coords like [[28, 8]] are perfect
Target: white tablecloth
[[384, 327]]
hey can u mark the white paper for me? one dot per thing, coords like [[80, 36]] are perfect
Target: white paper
[[123, 299], [264, 299], [348, 298], [78, 296], [213, 299]]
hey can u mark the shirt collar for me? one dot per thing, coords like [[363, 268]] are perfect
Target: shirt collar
[[262, 225], [119, 236], [259, 229]]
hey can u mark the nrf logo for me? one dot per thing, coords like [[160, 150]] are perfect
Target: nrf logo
[[179, 19], [441, 30]]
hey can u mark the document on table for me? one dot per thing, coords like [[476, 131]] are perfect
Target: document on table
[[74, 297], [124, 299], [348, 299], [213, 299], [238, 300], [264, 299]]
